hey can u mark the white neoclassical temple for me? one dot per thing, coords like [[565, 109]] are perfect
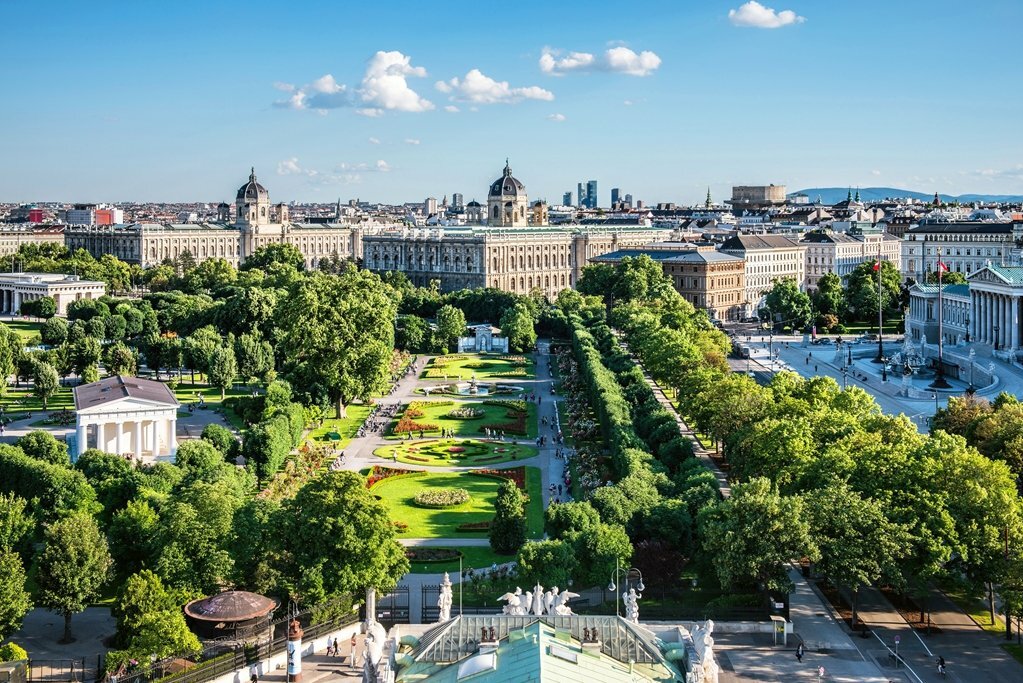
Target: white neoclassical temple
[[126, 416], [17, 288]]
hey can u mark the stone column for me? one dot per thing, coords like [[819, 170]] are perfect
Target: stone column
[[172, 437], [985, 300], [138, 439], [1014, 321], [973, 316], [154, 445], [81, 437], [119, 432]]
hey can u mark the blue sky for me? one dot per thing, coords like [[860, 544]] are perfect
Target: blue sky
[[111, 101]]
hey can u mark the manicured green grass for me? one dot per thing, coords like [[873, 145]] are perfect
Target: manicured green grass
[[435, 412], [976, 609], [484, 367], [473, 557], [26, 329], [1015, 650], [17, 401], [436, 453], [187, 392], [397, 494], [346, 427]]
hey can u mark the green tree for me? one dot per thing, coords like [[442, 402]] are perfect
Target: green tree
[[46, 308], [54, 331], [858, 545], [85, 358], [829, 297], [563, 519], [121, 360], [337, 539], [16, 523], [599, 552], [450, 324], [412, 333], [284, 254], [787, 305], [44, 446], [222, 369], [222, 439], [751, 536], [199, 348], [508, 527], [517, 326], [193, 537], [862, 290], [15, 602], [73, 567], [255, 356], [133, 537], [336, 334], [552, 562], [142, 593], [950, 278], [45, 382]]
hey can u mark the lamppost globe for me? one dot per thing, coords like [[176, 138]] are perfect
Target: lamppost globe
[[611, 587], [640, 587]]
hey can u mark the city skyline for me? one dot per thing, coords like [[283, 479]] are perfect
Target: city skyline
[[383, 104]]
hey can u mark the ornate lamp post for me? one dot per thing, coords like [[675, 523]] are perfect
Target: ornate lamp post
[[630, 575], [996, 337]]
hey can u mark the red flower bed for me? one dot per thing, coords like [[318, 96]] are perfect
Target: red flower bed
[[378, 474], [406, 425], [515, 474], [517, 425], [456, 449]]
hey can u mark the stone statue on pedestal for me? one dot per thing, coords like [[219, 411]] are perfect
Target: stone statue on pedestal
[[631, 601], [444, 600], [704, 643]]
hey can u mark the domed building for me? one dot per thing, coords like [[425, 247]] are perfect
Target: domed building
[[252, 203], [507, 204]]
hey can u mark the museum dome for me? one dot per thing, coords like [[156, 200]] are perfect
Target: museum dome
[[252, 191], [507, 185]]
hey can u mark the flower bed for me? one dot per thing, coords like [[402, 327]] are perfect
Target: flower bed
[[441, 498], [516, 405], [400, 527], [467, 413], [456, 449], [515, 474], [512, 372], [517, 425], [432, 554], [405, 425], [378, 474], [473, 526]]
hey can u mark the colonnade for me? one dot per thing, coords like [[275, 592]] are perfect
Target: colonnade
[[12, 299], [995, 319], [136, 437]]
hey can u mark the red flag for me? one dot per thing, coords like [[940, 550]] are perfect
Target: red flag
[[877, 266], [942, 267]]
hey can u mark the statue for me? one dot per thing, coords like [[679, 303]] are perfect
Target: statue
[[375, 637], [444, 600], [560, 601], [537, 605], [512, 600], [631, 601], [704, 643]]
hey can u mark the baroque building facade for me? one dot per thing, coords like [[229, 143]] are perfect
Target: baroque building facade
[[257, 224]]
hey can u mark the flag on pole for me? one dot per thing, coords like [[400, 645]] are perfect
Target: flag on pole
[[942, 268], [877, 265]]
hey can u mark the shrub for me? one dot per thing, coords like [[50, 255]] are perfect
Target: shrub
[[12, 652], [515, 474], [474, 526], [441, 498], [378, 474], [432, 554], [517, 405], [406, 425], [400, 527], [466, 413]]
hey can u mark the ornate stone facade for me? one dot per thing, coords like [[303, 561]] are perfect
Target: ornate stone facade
[[507, 204], [519, 261], [258, 224]]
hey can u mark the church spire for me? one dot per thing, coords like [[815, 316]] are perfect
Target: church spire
[[707, 203], [857, 194]]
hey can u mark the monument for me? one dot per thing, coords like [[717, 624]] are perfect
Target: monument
[[444, 600]]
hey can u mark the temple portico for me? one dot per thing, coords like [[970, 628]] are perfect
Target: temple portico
[[995, 296], [19, 288], [126, 416]]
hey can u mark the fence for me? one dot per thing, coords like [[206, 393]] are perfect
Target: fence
[[392, 608], [430, 612], [226, 656], [53, 670]]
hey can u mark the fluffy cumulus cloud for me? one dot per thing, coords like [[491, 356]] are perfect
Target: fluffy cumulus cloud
[[374, 141], [755, 15], [557, 118], [451, 109], [342, 174], [479, 88], [411, 141], [384, 88], [618, 59]]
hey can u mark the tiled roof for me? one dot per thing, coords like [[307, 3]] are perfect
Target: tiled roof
[[961, 227], [118, 387], [746, 242]]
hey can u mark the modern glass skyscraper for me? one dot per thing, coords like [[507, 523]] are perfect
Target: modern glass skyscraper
[[581, 196], [591, 194], [615, 195], [567, 198]]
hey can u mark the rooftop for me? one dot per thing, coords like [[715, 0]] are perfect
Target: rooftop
[[117, 387]]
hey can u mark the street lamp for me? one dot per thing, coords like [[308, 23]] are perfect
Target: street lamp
[[971, 390], [845, 373], [630, 574], [996, 337], [884, 369]]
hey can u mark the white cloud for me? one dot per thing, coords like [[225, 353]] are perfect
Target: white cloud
[[342, 174], [619, 59], [875, 172], [627, 103], [1013, 173], [479, 88], [556, 117], [291, 167], [382, 166], [755, 15], [374, 141], [384, 87], [451, 109], [411, 141]]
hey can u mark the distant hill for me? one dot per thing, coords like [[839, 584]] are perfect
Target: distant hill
[[833, 195]]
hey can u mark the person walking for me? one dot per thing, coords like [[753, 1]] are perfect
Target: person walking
[[354, 661], [941, 666], [799, 652]]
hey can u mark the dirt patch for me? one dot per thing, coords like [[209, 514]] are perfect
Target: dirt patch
[[910, 611]]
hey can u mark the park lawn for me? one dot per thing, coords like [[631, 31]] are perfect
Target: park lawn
[[187, 392], [435, 413], [435, 453], [484, 367], [473, 557], [396, 493], [26, 329], [15, 401], [346, 427]]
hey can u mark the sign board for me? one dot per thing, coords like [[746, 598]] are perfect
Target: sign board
[[898, 639]]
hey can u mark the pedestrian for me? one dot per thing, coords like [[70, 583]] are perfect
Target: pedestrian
[[799, 652], [253, 676], [559, 489], [820, 673], [815, 368], [354, 641], [941, 665]]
